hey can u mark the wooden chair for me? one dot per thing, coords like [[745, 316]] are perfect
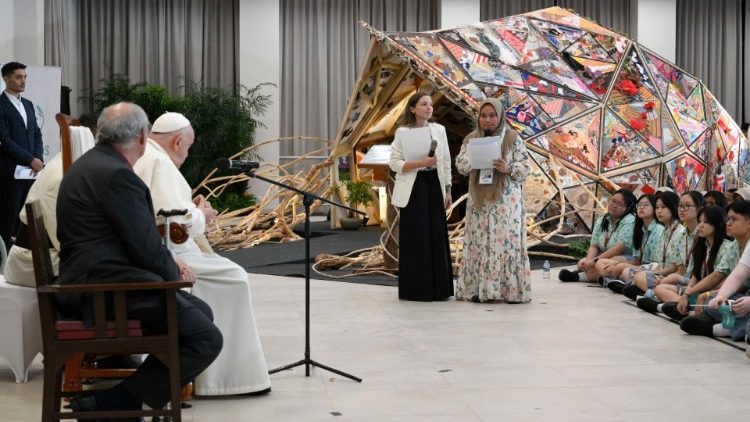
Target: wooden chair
[[61, 339], [66, 149], [81, 367]]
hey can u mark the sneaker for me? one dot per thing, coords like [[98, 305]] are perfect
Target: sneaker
[[600, 281], [567, 275], [632, 291], [617, 286], [698, 325], [670, 309], [647, 304]]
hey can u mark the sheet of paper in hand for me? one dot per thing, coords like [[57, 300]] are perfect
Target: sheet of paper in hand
[[482, 151], [23, 172], [415, 143]]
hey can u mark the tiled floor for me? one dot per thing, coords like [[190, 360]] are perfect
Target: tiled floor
[[576, 353]]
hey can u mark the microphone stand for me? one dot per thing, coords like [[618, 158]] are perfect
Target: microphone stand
[[307, 200]]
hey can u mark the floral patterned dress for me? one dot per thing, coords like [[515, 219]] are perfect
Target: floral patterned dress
[[495, 262]]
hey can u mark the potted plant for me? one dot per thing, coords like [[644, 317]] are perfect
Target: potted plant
[[358, 193]]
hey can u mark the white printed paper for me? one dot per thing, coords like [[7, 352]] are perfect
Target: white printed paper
[[415, 143], [482, 151], [23, 172]]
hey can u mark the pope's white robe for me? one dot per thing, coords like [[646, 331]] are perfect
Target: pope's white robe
[[241, 366]]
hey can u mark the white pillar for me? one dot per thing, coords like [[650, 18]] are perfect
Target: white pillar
[[455, 13], [28, 34], [656, 22], [7, 28], [260, 61]]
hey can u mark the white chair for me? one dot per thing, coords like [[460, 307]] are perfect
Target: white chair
[[20, 329]]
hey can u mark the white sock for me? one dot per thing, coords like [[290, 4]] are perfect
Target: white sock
[[658, 307], [720, 331], [582, 276]]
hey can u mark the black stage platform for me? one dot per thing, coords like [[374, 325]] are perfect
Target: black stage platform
[[288, 259]]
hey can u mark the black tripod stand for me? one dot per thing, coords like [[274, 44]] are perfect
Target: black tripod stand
[[307, 200]]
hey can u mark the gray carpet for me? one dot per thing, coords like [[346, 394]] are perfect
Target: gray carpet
[[288, 259]]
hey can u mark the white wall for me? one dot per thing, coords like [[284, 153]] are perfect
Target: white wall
[[21, 32], [28, 38], [657, 26], [455, 13], [7, 29], [260, 61]]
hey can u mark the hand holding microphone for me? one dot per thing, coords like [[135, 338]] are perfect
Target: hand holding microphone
[[431, 160]]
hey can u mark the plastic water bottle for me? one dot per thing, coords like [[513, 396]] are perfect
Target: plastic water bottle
[[545, 274], [727, 315]]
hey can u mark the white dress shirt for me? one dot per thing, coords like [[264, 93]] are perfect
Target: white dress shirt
[[19, 106]]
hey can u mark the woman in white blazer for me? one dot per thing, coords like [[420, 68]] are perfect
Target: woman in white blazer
[[423, 192]]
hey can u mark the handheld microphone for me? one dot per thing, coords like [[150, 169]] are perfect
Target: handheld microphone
[[433, 147], [244, 165]]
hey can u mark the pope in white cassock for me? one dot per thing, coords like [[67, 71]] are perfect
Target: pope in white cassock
[[241, 366]]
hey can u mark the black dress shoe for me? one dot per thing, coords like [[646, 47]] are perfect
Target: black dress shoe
[[632, 292], [88, 403], [567, 275], [698, 325], [670, 309]]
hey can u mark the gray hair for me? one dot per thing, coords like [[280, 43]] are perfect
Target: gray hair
[[121, 123]]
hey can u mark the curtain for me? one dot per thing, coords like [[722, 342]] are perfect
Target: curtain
[[496, 9], [614, 14], [58, 36], [709, 46], [59, 16], [322, 47], [167, 42]]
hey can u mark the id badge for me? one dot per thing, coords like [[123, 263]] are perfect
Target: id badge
[[485, 176]]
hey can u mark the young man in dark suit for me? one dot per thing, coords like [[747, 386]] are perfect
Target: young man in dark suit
[[107, 233], [20, 145]]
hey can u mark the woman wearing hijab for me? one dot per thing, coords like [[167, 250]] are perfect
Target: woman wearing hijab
[[495, 261]]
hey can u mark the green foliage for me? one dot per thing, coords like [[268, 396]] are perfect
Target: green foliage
[[358, 193], [579, 247], [232, 201], [224, 122]]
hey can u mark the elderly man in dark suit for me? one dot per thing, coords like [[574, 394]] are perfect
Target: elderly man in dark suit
[[107, 233], [20, 145]]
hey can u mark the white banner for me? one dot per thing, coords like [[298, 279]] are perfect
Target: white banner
[[43, 85]]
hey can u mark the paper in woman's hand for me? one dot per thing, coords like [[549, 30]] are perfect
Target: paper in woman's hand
[[415, 143], [482, 151]]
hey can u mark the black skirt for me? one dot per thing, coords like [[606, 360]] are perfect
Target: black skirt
[[425, 272]]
